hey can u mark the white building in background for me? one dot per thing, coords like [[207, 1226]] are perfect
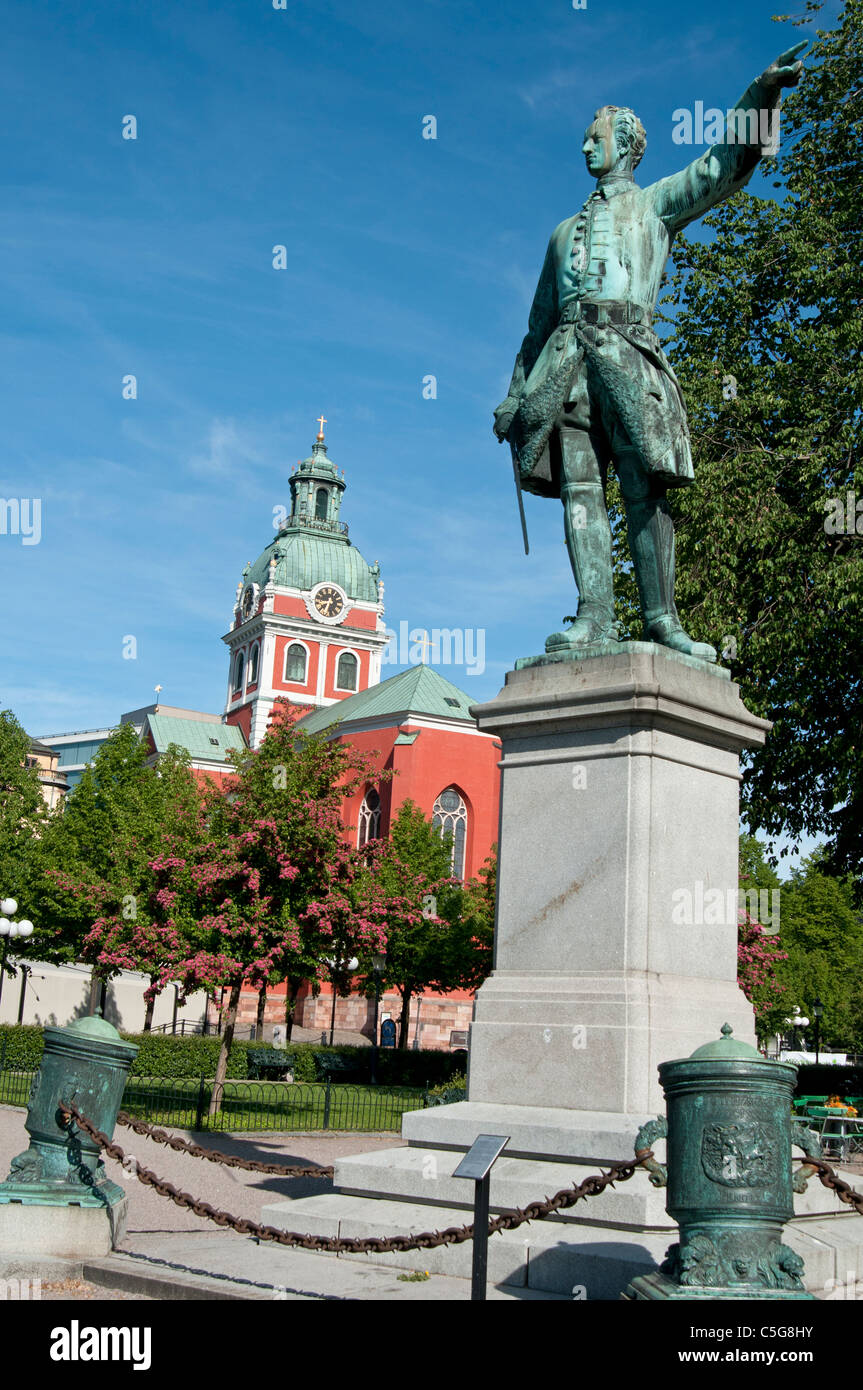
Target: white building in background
[[58, 994]]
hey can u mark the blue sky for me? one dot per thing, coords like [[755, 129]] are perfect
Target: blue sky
[[406, 257]]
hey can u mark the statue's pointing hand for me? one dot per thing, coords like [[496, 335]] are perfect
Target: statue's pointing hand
[[785, 72]]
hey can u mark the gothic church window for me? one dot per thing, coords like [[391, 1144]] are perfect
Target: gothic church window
[[295, 663], [321, 504], [370, 818], [346, 672], [450, 818], [254, 660]]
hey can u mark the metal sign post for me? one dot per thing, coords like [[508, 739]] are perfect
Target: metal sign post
[[477, 1164]]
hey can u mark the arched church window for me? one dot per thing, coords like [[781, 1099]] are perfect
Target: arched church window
[[295, 663], [346, 672], [450, 818], [321, 501], [254, 661], [370, 818], [239, 664]]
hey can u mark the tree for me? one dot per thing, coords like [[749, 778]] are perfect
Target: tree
[[257, 899], [466, 947], [759, 961], [410, 893], [23, 819], [98, 898], [823, 933], [767, 345]]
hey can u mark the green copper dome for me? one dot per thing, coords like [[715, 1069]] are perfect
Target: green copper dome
[[312, 545], [726, 1049]]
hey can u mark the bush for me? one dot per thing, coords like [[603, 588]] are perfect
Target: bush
[[824, 1080], [21, 1046], [167, 1054], [424, 1068], [172, 1055], [449, 1093]]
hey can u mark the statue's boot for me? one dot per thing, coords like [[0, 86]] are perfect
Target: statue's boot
[[651, 541], [588, 540]]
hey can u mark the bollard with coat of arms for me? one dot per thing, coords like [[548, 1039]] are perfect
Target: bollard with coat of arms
[[729, 1176]]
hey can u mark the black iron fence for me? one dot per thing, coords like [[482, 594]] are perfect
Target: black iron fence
[[250, 1105]]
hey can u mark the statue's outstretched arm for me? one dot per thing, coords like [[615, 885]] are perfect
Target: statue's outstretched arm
[[728, 165]]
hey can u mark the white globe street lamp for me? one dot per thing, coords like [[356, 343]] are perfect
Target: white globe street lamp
[[8, 930]]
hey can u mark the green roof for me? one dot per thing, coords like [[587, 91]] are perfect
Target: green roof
[[421, 690], [304, 560], [196, 735]]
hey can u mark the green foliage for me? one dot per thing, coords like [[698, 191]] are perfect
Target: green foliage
[[449, 1092], [97, 900], [23, 818], [187, 1058], [755, 869], [774, 302], [165, 1054], [438, 931], [822, 931], [21, 1046]]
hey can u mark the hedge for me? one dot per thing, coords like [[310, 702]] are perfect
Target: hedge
[[821, 1080], [166, 1054]]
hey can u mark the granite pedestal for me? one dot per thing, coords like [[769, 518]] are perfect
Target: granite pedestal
[[615, 950]]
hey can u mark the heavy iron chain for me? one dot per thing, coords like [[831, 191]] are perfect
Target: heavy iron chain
[[592, 1186], [251, 1165], [828, 1177]]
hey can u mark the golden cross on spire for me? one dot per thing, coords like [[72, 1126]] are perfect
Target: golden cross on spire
[[424, 643], [321, 421]]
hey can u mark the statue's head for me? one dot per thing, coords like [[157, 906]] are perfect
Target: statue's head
[[614, 141]]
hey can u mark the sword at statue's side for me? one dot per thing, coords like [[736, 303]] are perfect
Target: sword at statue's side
[[517, 472]]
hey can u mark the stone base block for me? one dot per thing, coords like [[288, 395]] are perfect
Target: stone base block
[[63, 1232]]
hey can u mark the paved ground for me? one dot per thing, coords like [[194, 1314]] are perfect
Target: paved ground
[[169, 1252], [191, 1258]]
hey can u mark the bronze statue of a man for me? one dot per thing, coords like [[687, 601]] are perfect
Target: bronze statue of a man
[[591, 384]]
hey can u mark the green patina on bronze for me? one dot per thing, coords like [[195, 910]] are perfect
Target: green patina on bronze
[[591, 384], [86, 1065], [729, 1176]]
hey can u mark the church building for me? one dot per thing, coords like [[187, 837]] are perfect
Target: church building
[[308, 627]]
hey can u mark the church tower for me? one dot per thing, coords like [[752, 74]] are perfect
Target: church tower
[[308, 615]]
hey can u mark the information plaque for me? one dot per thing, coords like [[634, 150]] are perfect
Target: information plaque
[[480, 1156]]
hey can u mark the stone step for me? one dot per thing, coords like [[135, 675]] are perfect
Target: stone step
[[425, 1176], [583, 1262]]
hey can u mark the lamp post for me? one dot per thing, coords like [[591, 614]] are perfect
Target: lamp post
[[9, 929], [797, 1023], [817, 1011], [378, 967]]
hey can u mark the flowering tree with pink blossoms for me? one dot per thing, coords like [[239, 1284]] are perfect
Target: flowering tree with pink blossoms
[[267, 893], [758, 957]]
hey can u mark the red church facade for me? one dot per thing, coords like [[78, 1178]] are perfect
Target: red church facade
[[308, 627]]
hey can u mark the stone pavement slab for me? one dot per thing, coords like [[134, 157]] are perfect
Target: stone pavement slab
[[230, 1266]]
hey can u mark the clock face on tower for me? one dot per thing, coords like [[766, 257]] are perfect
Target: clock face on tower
[[329, 602]]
